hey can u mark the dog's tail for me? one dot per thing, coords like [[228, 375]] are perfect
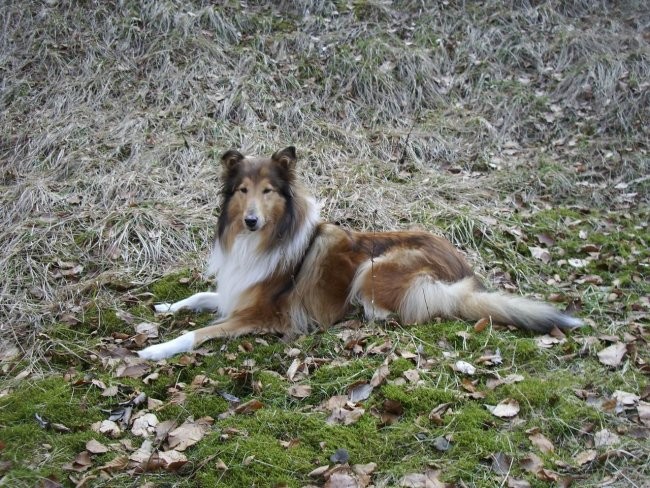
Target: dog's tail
[[468, 300]]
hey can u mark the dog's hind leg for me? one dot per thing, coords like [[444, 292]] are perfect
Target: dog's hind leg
[[232, 327], [199, 302]]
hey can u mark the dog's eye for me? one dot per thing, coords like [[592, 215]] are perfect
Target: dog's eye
[[243, 190], [267, 190]]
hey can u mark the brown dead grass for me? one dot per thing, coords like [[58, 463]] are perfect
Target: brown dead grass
[[112, 116]]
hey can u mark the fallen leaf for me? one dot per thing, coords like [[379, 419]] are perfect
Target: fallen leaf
[[81, 463], [177, 397], [643, 408], [412, 375], [585, 457], [150, 329], [319, 471], [144, 425], [188, 433], [290, 443], [228, 397], [531, 463], [300, 391], [381, 348], [116, 464], [107, 427], [491, 359], [541, 442], [132, 371], [540, 253], [110, 391], [517, 483], [605, 438], [249, 407], [56, 427], [163, 429], [390, 413], [590, 248], [293, 369], [625, 400], [464, 367], [578, 263], [548, 475], [342, 479], [547, 341], [364, 469], [172, 460], [428, 479], [612, 355], [143, 454], [468, 385], [127, 317], [436, 414], [360, 392], [379, 376], [95, 447], [293, 352], [492, 383], [501, 463], [545, 239], [345, 416], [481, 324], [505, 409], [336, 401]]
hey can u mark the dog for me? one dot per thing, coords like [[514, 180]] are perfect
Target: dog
[[280, 269]]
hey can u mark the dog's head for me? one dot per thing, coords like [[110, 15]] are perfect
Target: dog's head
[[257, 192]]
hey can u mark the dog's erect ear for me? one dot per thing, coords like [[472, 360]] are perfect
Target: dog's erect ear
[[286, 158], [231, 159]]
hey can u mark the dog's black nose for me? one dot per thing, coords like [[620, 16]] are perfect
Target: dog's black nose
[[251, 222]]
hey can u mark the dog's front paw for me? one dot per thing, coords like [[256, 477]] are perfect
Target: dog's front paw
[[162, 307], [184, 343], [154, 353]]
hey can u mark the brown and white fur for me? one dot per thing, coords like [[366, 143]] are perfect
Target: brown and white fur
[[279, 269]]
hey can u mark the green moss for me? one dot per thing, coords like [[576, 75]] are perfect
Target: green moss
[[419, 400], [333, 380], [56, 401], [101, 321], [175, 287]]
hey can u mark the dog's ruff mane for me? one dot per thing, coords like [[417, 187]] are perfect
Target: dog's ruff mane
[[242, 265]]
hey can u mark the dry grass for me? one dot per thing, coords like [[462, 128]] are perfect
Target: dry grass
[[112, 116]]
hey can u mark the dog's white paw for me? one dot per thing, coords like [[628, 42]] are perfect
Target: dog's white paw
[[184, 343], [163, 307]]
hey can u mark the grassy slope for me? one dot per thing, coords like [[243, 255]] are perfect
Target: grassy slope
[[522, 121]]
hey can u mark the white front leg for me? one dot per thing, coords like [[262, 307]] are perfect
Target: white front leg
[[200, 302], [184, 343]]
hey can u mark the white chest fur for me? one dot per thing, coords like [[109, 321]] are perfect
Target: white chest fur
[[244, 265]]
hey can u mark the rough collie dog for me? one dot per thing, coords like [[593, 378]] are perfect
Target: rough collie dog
[[279, 269]]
